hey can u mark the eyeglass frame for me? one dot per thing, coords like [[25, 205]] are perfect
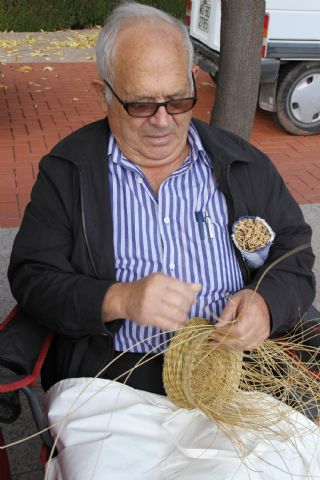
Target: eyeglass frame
[[126, 105]]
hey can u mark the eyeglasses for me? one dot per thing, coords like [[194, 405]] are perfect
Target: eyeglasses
[[148, 109]]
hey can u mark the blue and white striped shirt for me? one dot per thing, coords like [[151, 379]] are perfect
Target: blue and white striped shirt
[[159, 233]]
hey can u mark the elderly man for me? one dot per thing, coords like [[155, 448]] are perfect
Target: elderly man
[[128, 233]]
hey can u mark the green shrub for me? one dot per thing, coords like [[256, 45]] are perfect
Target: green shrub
[[36, 15]]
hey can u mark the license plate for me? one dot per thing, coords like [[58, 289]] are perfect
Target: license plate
[[204, 15]]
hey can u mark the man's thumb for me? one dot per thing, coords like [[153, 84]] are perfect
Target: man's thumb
[[196, 287], [228, 314]]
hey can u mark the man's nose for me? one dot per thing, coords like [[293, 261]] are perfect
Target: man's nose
[[161, 118]]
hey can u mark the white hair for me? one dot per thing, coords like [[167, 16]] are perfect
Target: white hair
[[130, 13]]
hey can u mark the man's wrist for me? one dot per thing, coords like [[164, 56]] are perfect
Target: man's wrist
[[113, 303]]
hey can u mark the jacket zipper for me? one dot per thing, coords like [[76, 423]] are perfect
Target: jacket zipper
[[86, 238], [84, 223]]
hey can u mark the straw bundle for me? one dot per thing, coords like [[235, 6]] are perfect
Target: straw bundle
[[251, 234], [226, 385]]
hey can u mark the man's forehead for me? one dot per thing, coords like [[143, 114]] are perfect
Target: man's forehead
[[154, 59], [144, 42], [153, 87], [141, 29]]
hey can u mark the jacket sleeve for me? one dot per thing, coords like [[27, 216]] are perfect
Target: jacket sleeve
[[45, 281], [288, 286]]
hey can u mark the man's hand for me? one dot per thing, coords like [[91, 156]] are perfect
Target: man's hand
[[157, 300], [244, 323]]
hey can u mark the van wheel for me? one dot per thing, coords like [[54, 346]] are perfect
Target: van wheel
[[298, 98]]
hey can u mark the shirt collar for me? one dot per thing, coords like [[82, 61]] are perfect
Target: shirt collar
[[196, 151]]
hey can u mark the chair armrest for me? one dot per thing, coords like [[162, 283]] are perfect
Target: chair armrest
[[24, 344]]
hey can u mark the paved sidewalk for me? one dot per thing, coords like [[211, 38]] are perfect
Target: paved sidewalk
[[61, 46]]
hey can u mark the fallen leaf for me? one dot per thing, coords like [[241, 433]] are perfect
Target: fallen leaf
[[4, 87], [37, 54], [78, 41], [24, 69], [9, 43], [30, 40], [75, 99], [48, 69], [54, 50]]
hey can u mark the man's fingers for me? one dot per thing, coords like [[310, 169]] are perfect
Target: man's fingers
[[229, 313], [181, 295], [247, 322], [188, 290], [162, 301], [195, 287]]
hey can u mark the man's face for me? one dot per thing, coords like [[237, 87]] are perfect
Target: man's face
[[150, 65]]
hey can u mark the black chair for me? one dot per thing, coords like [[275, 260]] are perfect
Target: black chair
[[24, 345]]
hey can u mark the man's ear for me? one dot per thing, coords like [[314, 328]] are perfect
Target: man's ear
[[195, 70], [99, 87]]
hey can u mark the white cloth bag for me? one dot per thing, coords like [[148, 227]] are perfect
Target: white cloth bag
[[116, 432]]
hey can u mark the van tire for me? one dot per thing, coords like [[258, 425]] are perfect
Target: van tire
[[292, 77]]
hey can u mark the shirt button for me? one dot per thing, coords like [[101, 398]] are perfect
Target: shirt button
[[172, 266], [166, 220], [139, 179]]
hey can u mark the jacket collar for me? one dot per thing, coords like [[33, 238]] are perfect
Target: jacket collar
[[80, 145], [221, 146]]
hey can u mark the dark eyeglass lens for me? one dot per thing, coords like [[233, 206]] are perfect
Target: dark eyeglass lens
[[141, 109], [180, 106], [149, 109]]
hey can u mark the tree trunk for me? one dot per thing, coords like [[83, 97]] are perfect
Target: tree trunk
[[239, 65]]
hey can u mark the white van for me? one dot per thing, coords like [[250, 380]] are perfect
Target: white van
[[290, 64]]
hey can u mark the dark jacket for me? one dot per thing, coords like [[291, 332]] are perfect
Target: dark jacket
[[63, 263]]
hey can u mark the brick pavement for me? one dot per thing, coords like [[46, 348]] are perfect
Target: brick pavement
[[47, 101]]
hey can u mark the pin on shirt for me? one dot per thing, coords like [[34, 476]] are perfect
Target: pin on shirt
[[209, 224], [200, 221], [204, 218]]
